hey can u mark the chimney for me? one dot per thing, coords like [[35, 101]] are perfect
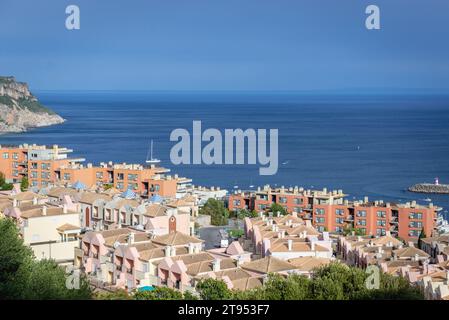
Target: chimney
[[312, 244], [14, 202], [173, 251], [64, 208], [34, 201], [365, 199], [413, 203], [191, 248], [44, 210], [416, 258], [282, 234], [131, 238], [167, 251], [216, 265], [240, 261], [289, 244]]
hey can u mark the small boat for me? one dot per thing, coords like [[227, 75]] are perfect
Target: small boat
[[152, 160]]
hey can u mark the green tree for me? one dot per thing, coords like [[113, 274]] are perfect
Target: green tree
[[422, 235], [276, 207], [2, 179], [15, 261], [22, 277], [216, 210], [115, 295], [159, 293], [293, 287], [24, 184], [212, 289]]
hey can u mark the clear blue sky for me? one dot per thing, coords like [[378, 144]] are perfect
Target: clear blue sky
[[226, 45]]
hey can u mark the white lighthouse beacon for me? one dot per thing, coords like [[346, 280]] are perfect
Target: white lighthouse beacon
[[436, 181]]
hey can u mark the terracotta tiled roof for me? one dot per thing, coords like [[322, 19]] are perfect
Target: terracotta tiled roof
[[91, 197], [410, 252], [267, 265], [155, 210], [176, 239], [67, 227], [308, 263], [247, 283]]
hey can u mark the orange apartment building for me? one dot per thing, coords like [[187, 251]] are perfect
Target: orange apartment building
[[13, 162], [329, 211], [51, 165]]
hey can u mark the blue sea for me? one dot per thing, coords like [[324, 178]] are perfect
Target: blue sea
[[367, 145]]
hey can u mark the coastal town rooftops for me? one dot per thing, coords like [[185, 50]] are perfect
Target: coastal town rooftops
[[307, 264], [155, 210], [444, 238], [176, 238], [296, 246], [208, 266], [91, 197], [58, 192], [68, 227], [267, 265], [25, 196], [44, 211], [410, 252]]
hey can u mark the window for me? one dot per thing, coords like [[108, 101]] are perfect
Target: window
[[319, 211], [380, 232], [45, 175], [338, 229], [339, 212], [282, 200], [120, 176], [99, 175], [15, 164], [33, 165], [298, 201], [45, 166], [132, 177], [34, 183], [414, 233], [236, 202], [415, 224], [120, 185], [66, 176], [297, 209], [339, 220], [381, 223], [34, 174], [15, 156], [5, 155], [381, 214], [262, 206], [361, 222], [417, 215], [320, 219], [361, 213]]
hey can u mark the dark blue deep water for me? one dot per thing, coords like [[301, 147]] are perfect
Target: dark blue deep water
[[365, 145]]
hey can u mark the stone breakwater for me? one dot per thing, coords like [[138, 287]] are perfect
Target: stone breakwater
[[430, 188]]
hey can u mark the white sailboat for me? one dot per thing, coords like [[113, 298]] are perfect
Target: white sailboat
[[152, 160]]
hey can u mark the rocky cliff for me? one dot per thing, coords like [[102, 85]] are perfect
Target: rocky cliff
[[20, 110]]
